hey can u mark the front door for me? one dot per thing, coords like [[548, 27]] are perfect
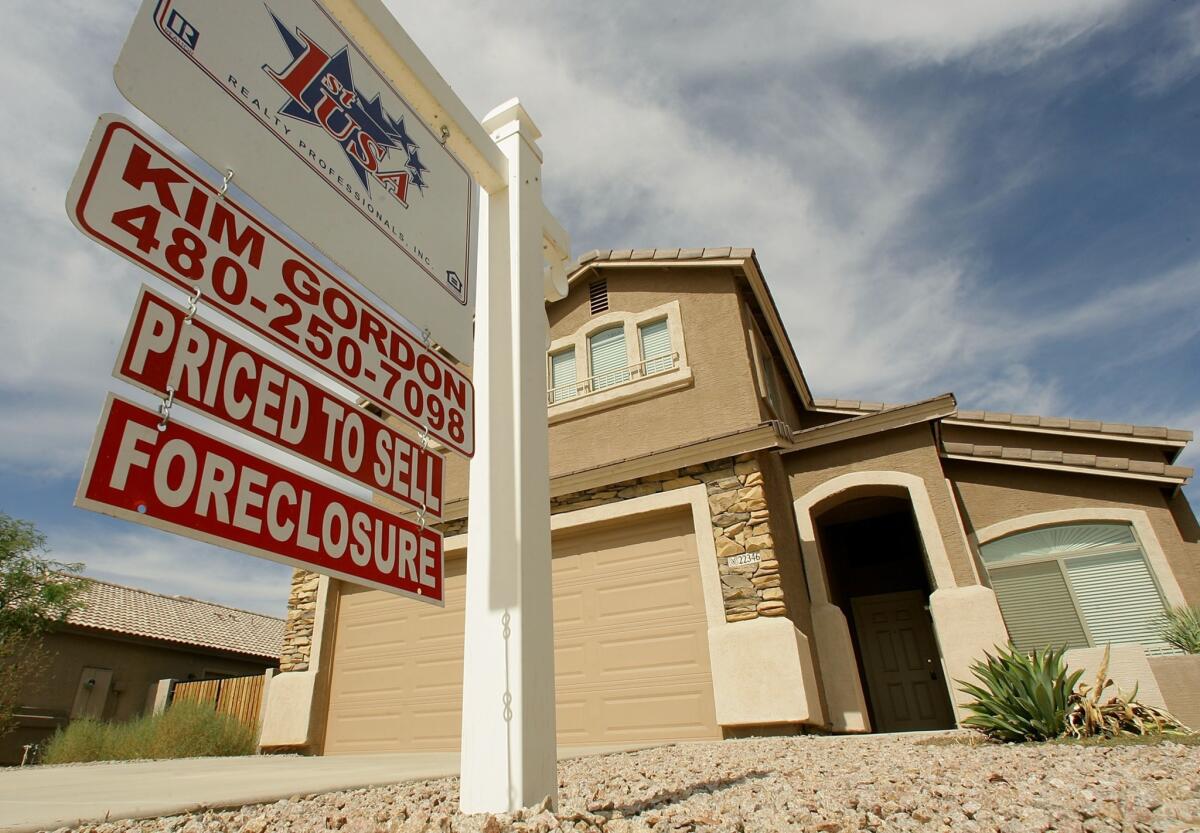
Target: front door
[[900, 658]]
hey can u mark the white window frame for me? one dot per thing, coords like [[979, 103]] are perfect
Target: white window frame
[[640, 384]]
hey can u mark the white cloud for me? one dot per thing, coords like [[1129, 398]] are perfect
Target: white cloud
[[165, 563]]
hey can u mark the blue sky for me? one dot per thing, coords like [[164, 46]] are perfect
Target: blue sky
[[999, 199]]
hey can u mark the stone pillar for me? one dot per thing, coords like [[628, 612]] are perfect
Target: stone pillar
[[301, 619], [742, 527]]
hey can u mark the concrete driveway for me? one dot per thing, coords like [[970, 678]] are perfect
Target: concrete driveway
[[44, 798]]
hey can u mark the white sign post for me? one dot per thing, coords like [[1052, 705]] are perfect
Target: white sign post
[[509, 755]]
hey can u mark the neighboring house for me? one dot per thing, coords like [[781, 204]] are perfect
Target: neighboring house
[[104, 661], [734, 556]]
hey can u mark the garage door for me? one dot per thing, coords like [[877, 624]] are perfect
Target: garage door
[[631, 649]]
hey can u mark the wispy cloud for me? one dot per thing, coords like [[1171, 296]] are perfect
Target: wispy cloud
[[165, 563]]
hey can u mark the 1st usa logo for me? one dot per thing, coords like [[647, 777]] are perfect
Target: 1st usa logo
[[321, 92]]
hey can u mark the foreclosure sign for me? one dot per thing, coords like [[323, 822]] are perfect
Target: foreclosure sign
[[280, 94], [208, 370], [178, 479], [135, 199]]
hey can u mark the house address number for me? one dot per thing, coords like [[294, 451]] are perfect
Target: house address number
[[744, 558]]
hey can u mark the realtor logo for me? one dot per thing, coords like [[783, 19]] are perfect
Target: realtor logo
[[321, 92]]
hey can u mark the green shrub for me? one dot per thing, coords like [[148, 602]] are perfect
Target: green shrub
[[1020, 696], [1181, 628], [185, 730]]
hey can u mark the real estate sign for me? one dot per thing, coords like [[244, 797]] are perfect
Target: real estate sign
[[192, 363], [281, 95], [134, 198], [169, 476]]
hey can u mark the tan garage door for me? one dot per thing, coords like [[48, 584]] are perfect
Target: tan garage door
[[631, 649]]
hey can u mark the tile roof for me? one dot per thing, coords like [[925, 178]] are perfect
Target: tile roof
[[1060, 458], [127, 610], [995, 418], [664, 254]]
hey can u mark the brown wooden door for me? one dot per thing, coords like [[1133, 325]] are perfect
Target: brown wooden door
[[904, 672]]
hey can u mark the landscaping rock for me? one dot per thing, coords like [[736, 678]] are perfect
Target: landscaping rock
[[881, 783]]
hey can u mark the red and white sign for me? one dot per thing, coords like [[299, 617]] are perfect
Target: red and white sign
[[184, 481], [281, 94], [135, 199], [212, 372]]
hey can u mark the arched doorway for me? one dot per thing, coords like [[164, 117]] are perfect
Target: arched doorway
[[876, 572]]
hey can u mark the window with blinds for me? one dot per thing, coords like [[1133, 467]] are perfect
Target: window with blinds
[[1076, 585], [656, 347], [609, 364], [563, 382]]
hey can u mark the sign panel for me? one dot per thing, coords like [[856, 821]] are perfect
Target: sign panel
[[210, 371], [184, 481], [133, 198], [282, 96]]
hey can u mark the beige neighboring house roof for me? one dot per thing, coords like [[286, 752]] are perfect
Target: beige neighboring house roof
[[743, 258], [132, 612]]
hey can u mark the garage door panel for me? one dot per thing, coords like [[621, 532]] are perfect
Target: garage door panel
[[660, 597], [655, 653], [631, 650]]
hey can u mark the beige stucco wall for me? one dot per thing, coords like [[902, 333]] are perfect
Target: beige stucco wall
[[135, 666], [909, 450], [992, 493], [1178, 679]]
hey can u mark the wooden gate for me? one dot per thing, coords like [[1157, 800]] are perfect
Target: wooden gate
[[237, 696]]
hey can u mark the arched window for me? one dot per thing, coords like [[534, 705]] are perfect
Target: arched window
[[1076, 585], [609, 363]]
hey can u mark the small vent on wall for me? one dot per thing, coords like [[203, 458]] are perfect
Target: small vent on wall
[[598, 293]]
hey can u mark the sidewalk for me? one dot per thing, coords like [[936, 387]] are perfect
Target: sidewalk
[[45, 798]]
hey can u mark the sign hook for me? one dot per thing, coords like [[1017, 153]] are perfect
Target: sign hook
[[225, 183], [164, 408], [192, 303]]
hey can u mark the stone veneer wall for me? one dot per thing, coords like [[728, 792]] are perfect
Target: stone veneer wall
[[301, 616], [741, 523]]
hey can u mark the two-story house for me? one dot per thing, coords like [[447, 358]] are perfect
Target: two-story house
[[734, 556]]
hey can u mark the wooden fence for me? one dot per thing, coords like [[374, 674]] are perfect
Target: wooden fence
[[238, 696]]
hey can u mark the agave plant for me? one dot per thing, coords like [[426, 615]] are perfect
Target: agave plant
[[1180, 627], [1122, 714], [1020, 697]]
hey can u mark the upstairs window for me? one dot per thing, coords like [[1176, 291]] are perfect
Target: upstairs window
[[656, 347], [563, 381], [1076, 585], [609, 363]]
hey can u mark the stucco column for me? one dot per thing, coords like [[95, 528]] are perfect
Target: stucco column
[[839, 670], [844, 692], [967, 622]]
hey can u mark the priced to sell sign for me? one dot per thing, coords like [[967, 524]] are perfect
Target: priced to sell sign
[[184, 481], [210, 371], [282, 95], [135, 199]]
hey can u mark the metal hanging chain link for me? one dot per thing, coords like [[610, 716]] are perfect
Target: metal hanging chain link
[[164, 408], [425, 448], [225, 183], [192, 304]]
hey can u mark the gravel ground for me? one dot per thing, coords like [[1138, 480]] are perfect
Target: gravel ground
[[781, 784]]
